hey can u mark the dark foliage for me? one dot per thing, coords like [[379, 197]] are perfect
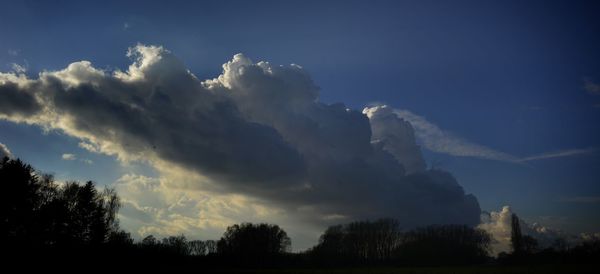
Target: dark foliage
[[359, 242], [253, 243], [445, 245], [382, 241], [35, 211], [72, 226]]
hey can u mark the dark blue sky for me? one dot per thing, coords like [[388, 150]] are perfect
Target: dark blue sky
[[508, 75]]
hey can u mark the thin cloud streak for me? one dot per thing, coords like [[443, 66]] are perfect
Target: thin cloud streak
[[558, 154], [441, 141]]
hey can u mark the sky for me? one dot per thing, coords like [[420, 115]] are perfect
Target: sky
[[152, 98]]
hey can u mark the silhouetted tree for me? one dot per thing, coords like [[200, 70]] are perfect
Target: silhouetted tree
[[35, 211], [197, 248], [253, 243], [149, 240], [445, 244], [516, 238], [120, 237], [529, 244], [176, 245], [362, 241], [331, 245], [211, 246]]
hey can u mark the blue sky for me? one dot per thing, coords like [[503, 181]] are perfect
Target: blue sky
[[510, 76]]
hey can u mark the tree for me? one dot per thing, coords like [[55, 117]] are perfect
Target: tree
[[363, 241], [445, 244], [35, 211], [211, 246], [176, 245], [256, 243], [516, 238], [529, 244], [197, 248]]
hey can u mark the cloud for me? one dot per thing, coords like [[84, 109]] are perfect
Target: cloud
[[255, 134], [19, 68], [385, 125], [438, 140], [558, 154], [441, 141], [498, 224], [73, 157], [4, 151], [396, 136], [69, 157]]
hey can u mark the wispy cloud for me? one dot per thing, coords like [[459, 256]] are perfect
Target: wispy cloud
[[18, 68], [557, 154], [438, 140], [73, 157], [69, 157]]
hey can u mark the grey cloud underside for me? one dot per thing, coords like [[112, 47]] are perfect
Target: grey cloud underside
[[257, 129], [17, 102]]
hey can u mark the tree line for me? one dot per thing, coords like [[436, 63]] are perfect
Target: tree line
[[40, 218]]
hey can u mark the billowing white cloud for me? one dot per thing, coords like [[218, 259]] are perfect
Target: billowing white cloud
[[396, 136], [4, 151], [255, 135]]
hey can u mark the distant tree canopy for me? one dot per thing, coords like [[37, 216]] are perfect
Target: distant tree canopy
[[34, 210], [367, 241], [445, 244], [383, 240], [256, 242]]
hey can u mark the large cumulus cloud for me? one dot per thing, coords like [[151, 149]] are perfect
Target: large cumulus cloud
[[256, 129]]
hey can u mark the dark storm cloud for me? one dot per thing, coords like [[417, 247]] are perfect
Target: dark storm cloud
[[256, 129], [16, 102]]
